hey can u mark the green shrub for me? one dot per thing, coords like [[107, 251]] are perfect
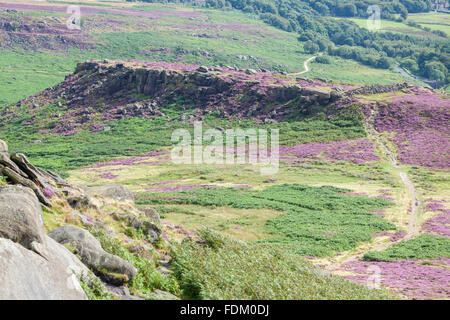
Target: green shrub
[[425, 246], [147, 278], [95, 289], [317, 222], [323, 59], [231, 269]]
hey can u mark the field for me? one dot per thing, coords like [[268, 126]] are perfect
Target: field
[[433, 21]]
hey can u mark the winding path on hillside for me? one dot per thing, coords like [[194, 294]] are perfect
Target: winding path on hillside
[[381, 244], [305, 66], [413, 227]]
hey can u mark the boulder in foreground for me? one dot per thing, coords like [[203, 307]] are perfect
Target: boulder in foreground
[[112, 268]]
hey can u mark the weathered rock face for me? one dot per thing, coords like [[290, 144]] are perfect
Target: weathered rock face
[[20, 216], [149, 228], [25, 275], [19, 171], [3, 147], [163, 295], [80, 201], [93, 255], [116, 192], [122, 293], [32, 265], [152, 214], [130, 89], [379, 88]]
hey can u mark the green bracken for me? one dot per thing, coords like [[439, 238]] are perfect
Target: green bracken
[[318, 221], [231, 269], [425, 246]]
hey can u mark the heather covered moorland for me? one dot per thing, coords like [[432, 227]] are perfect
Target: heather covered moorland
[[362, 187]]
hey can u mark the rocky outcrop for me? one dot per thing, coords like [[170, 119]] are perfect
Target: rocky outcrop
[[118, 89], [122, 293], [115, 191], [163, 295], [19, 171], [36, 265], [379, 89], [46, 34], [149, 228], [108, 266], [3, 147], [24, 275], [32, 265], [152, 214], [21, 216]]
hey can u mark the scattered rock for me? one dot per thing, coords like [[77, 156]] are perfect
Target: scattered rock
[[84, 218], [3, 147], [122, 293], [152, 214], [80, 201], [150, 229], [24, 275], [164, 271], [116, 192], [166, 263], [374, 89], [202, 69], [110, 268], [21, 216], [163, 295]]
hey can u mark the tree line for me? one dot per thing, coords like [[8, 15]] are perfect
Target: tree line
[[318, 30]]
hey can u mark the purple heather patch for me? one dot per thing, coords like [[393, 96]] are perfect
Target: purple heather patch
[[354, 150], [180, 188], [415, 279], [397, 236], [385, 197], [178, 229], [355, 194], [48, 193], [108, 175], [94, 10], [132, 161], [440, 224], [420, 123], [394, 237], [162, 182], [380, 213]]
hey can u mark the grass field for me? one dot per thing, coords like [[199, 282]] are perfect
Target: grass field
[[433, 20], [317, 221]]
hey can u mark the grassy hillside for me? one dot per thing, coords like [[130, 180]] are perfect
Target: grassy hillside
[[176, 34], [433, 21], [231, 269]]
